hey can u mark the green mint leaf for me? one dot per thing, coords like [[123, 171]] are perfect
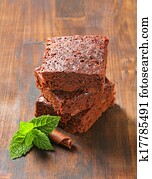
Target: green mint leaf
[[19, 149], [45, 123], [29, 138], [17, 146], [41, 141], [25, 127], [17, 138], [33, 132]]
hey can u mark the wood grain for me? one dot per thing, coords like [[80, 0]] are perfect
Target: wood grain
[[108, 149]]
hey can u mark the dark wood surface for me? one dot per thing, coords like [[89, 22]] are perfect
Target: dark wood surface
[[108, 149]]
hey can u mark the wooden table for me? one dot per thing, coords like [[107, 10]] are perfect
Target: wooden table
[[108, 149]]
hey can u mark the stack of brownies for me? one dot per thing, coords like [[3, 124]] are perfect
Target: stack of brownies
[[73, 83]]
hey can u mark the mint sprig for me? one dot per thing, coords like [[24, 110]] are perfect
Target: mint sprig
[[34, 132], [41, 141], [46, 124]]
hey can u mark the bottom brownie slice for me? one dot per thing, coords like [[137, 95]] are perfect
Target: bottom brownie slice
[[82, 121]]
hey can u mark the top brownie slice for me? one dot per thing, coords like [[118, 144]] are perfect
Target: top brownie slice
[[73, 62]]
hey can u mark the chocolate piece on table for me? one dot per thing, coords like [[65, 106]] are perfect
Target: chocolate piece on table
[[60, 139], [82, 121], [74, 63]]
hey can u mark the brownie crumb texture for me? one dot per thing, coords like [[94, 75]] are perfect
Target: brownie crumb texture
[[72, 81]]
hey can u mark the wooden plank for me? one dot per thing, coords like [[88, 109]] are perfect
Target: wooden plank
[[108, 149], [69, 8]]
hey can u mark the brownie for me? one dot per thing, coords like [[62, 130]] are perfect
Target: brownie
[[73, 63], [43, 107], [82, 121], [70, 102]]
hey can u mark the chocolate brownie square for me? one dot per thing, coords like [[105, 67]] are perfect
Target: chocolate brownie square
[[82, 121], [73, 63], [70, 102]]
